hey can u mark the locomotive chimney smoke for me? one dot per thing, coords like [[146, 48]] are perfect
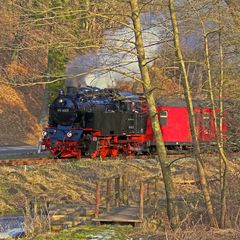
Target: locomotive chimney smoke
[[105, 67], [76, 70], [97, 65]]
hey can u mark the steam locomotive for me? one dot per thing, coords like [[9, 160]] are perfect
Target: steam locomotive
[[106, 122], [95, 122]]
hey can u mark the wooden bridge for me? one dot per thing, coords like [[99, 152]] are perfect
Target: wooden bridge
[[117, 206]]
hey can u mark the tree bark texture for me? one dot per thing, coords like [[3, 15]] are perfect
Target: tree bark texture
[[218, 131], [172, 209], [188, 98], [223, 162]]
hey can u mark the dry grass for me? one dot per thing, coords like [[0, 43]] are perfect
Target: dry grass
[[19, 112], [66, 182], [75, 183]]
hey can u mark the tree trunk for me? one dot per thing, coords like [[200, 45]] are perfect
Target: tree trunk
[[44, 110], [172, 209], [223, 158], [86, 15], [188, 98], [223, 161], [43, 119], [219, 138]]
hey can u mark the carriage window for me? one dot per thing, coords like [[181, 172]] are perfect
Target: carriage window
[[206, 120], [163, 118]]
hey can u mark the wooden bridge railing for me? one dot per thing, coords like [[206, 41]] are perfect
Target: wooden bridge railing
[[152, 188], [120, 192]]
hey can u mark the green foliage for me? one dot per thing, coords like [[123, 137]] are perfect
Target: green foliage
[[57, 58], [92, 232], [63, 21]]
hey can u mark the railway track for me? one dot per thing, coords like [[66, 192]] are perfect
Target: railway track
[[40, 159], [25, 159], [30, 160]]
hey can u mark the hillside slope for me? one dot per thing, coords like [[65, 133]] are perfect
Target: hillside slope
[[19, 113]]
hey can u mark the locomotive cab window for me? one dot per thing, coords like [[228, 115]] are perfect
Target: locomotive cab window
[[163, 117]]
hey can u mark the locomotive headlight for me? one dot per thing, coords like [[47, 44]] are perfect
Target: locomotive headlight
[[69, 134], [44, 133]]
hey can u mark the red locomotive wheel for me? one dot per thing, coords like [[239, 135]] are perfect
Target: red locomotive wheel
[[94, 154], [104, 152], [113, 152], [78, 156]]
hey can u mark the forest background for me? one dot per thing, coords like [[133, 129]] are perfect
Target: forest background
[[198, 56]]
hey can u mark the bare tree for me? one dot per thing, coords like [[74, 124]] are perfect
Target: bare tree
[[217, 129], [223, 161], [172, 209], [188, 98]]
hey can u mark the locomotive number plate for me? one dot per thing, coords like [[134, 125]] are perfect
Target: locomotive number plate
[[62, 110]]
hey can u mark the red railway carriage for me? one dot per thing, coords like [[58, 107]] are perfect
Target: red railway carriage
[[174, 122], [204, 121]]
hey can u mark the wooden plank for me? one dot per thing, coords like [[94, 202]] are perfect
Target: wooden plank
[[110, 177], [125, 193], [108, 196], [121, 214], [141, 200], [97, 199], [117, 191]]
